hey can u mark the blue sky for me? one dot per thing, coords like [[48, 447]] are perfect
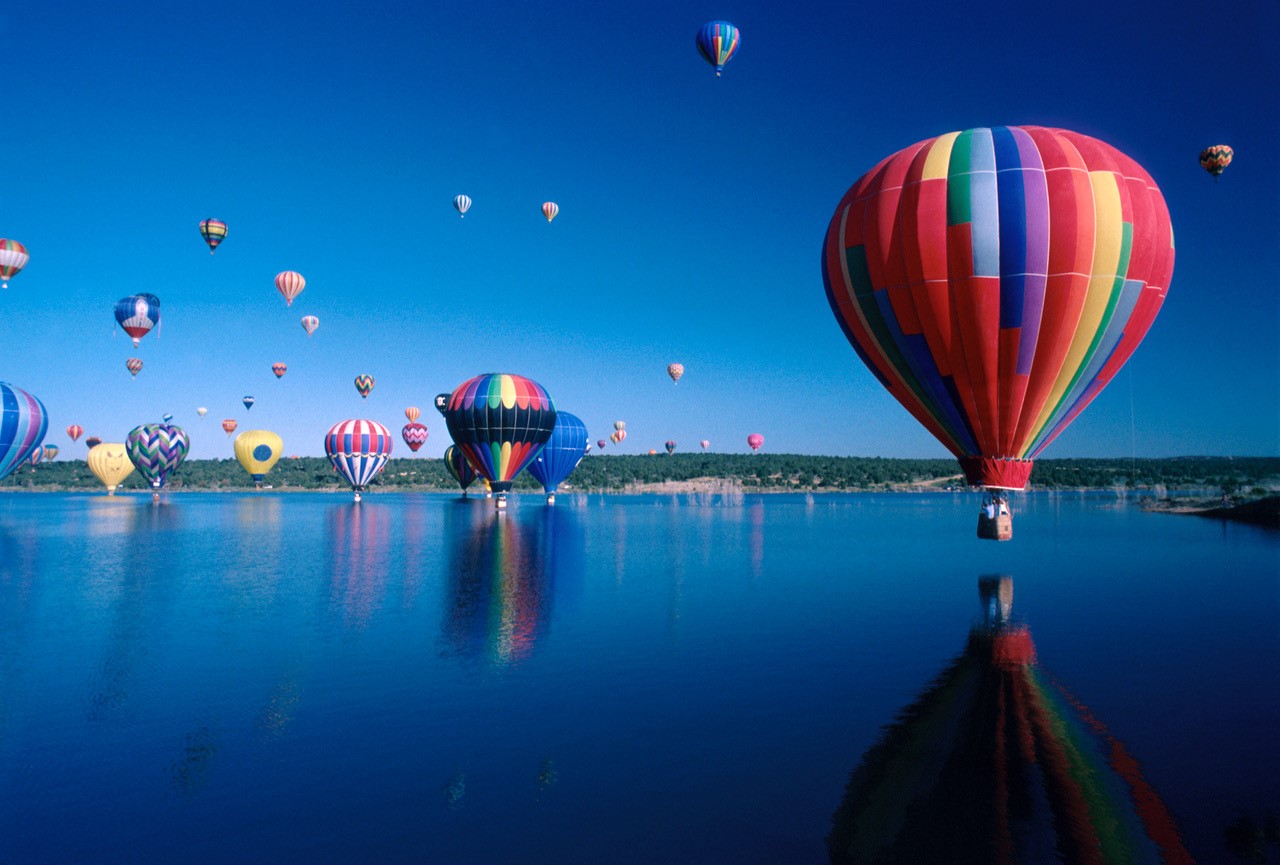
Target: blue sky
[[332, 138]]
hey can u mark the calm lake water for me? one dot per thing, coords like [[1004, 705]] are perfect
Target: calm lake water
[[622, 679]]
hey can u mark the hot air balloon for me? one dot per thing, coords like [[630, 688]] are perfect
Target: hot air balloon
[[652, 452], [137, 314], [37, 454], [462, 204], [229, 426], [279, 369], [156, 450], [705, 444], [995, 312], [109, 463], [456, 462], [75, 431], [13, 257], [500, 422], [619, 425], [134, 365], [202, 411], [51, 453], [364, 384], [561, 454], [358, 450], [248, 402], [670, 446], [257, 450], [412, 413], [717, 42], [600, 443], [414, 435], [214, 231], [290, 283], [166, 417], [310, 323], [442, 403], [92, 442], [1216, 158], [550, 209], [675, 370], [755, 441]]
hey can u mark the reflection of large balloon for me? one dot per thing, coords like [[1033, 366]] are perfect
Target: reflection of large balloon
[[1216, 158], [414, 435], [290, 283], [755, 441], [279, 369], [500, 422], [358, 449], [550, 209], [214, 231], [364, 384], [560, 456], [456, 462], [75, 431], [229, 426], [675, 370], [134, 365], [310, 323], [109, 462], [717, 41], [257, 450], [156, 450], [13, 257], [462, 204], [995, 280], [137, 314]]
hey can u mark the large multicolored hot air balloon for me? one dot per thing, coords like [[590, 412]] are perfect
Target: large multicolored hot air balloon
[[279, 369], [412, 413], [310, 323], [456, 462], [364, 384], [214, 231], [717, 42], [358, 450], [156, 450], [134, 365], [75, 431], [13, 257], [414, 435], [462, 204], [257, 450], [755, 441], [550, 209], [670, 446], [561, 454], [675, 370], [995, 280], [110, 464], [248, 402], [229, 426], [290, 283], [137, 314], [1215, 159], [500, 421], [442, 403]]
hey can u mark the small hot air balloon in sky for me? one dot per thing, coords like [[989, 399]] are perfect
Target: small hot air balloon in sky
[[675, 370], [456, 462], [1216, 158], [36, 455], [310, 323], [561, 454], [109, 463], [279, 369], [166, 417], [618, 436], [134, 365], [717, 42], [414, 435], [257, 450], [671, 446], [500, 421], [652, 452], [619, 425], [755, 441], [229, 426], [462, 204], [550, 209], [75, 431], [214, 231], [137, 314], [600, 443], [156, 450], [364, 384], [248, 402], [358, 450], [705, 444], [290, 283], [202, 411], [93, 441], [412, 413], [442, 403], [51, 452], [13, 257]]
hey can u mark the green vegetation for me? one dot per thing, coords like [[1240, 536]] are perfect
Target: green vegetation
[[752, 471]]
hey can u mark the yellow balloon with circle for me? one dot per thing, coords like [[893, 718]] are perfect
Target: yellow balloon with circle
[[110, 463], [258, 450]]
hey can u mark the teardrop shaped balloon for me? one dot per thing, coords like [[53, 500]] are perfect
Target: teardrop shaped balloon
[[500, 421], [364, 384], [93, 442], [675, 370], [414, 435], [165, 418], [36, 455], [1215, 159], [671, 446], [290, 283], [109, 462], [618, 436], [600, 443], [156, 450], [229, 426], [134, 365], [442, 403], [51, 452], [412, 413], [137, 314], [75, 431], [202, 411], [563, 451], [717, 42], [995, 280], [248, 402], [358, 450], [310, 323], [13, 257], [755, 441], [462, 204], [279, 369], [705, 444], [618, 424], [257, 450], [550, 209], [214, 231], [456, 462]]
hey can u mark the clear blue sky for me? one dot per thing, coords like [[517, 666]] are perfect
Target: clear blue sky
[[332, 138]]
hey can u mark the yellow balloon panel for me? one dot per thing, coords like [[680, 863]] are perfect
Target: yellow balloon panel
[[110, 464], [257, 450]]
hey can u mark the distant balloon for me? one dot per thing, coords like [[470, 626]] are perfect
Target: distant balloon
[[705, 444], [358, 450], [310, 323], [51, 452], [755, 441], [618, 436], [456, 462], [165, 418], [462, 204], [412, 413], [600, 443], [214, 231], [671, 446], [587, 450], [675, 370], [229, 426], [290, 283], [109, 463], [618, 424], [550, 209], [134, 365], [248, 402], [93, 441], [156, 450], [442, 403], [202, 411], [137, 314], [279, 369], [652, 452], [414, 435], [364, 384], [13, 257], [560, 456], [37, 454], [1216, 158], [257, 450], [75, 431], [500, 421], [717, 42]]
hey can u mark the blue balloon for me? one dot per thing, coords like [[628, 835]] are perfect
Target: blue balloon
[[137, 314], [562, 452], [23, 423]]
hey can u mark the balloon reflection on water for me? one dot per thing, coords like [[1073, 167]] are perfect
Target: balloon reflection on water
[[358, 542], [995, 762]]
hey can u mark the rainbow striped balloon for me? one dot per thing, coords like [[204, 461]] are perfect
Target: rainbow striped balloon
[[456, 462], [358, 449], [500, 422], [156, 450], [717, 41], [1216, 158], [13, 257], [364, 385], [995, 280], [214, 231]]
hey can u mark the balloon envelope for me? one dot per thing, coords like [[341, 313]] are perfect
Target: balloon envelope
[[134, 365], [137, 314], [670, 446], [456, 462], [290, 283], [705, 444], [279, 369], [364, 384], [229, 426], [23, 423], [13, 257], [755, 441], [414, 435], [500, 421], [675, 370], [1216, 158], [110, 464], [92, 442], [561, 454], [156, 450], [550, 209], [442, 403], [248, 402], [202, 411], [50, 452], [257, 450], [600, 443], [214, 231], [75, 431], [412, 413], [310, 323], [462, 204], [717, 42], [358, 450]]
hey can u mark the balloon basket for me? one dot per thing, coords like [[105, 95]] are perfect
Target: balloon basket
[[551, 498], [357, 497], [997, 528], [501, 503]]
